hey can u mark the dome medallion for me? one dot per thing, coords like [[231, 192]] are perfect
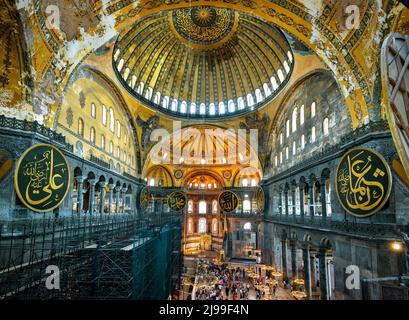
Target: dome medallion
[[203, 62], [199, 27]]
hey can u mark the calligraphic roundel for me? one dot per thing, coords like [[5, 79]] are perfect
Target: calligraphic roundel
[[228, 201], [177, 201], [42, 178], [363, 182]]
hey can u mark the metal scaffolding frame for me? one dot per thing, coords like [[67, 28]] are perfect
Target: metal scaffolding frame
[[96, 255]]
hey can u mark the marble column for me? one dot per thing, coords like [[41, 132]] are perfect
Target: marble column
[[307, 269], [323, 197], [110, 197], [293, 246], [123, 199], [102, 198], [323, 273], [80, 197], [286, 202], [294, 204], [280, 203], [91, 195], [284, 257], [311, 191], [117, 189], [301, 196]]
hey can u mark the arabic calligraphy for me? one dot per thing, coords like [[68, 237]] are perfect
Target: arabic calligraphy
[[42, 178], [228, 201], [177, 201], [363, 182]]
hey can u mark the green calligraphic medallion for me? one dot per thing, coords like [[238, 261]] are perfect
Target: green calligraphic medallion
[[363, 182], [144, 198], [228, 201], [42, 178], [177, 201]]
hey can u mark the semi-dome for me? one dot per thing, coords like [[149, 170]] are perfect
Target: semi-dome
[[203, 61]]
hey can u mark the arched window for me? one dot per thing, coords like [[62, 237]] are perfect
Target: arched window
[[120, 64], [328, 196], [212, 109], [290, 56], [149, 93], [313, 135], [139, 90], [231, 106], [165, 103], [267, 91], [111, 120], [156, 99], [202, 109], [103, 142], [246, 206], [287, 128], [259, 96], [302, 115], [116, 55], [281, 157], [325, 127], [294, 120], [118, 152], [247, 226], [126, 73], [202, 207], [313, 110], [124, 157], [245, 182], [302, 141], [93, 110], [280, 75], [294, 148], [283, 205], [79, 149], [133, 82], [183, 107], [215, 226], [81, 127], [104, 115], [190, 226], [174, 105], [286, 67], [253, 182], [281, 138], [190, 206], [202, 225], [214, 206], [111, 147], [192, 108], [222, 108], [286, 153], [92, 135], [250, 100], [118, 129], [274, 83], [152, 182], [317, 199], [276, 161], [240, 103]]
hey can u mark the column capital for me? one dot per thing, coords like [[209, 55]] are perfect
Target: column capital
[[92, 182], [102, 184], [79, 179], [111, 186]]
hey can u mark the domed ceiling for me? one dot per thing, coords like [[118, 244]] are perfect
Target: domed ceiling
[[203, 62]]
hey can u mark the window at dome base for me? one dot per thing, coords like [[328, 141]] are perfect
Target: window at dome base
[[212, 46]]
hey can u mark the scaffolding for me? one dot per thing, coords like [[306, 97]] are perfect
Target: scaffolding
[[98, 257]]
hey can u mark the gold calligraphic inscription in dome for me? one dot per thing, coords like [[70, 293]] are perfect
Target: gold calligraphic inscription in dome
[[203, 25], [42, 178], [203, 62], [363, 182]]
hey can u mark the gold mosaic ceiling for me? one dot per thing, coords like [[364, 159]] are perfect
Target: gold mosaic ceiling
[[203, 61]]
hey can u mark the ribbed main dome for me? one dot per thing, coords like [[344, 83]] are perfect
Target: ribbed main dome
[[203, 61]]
